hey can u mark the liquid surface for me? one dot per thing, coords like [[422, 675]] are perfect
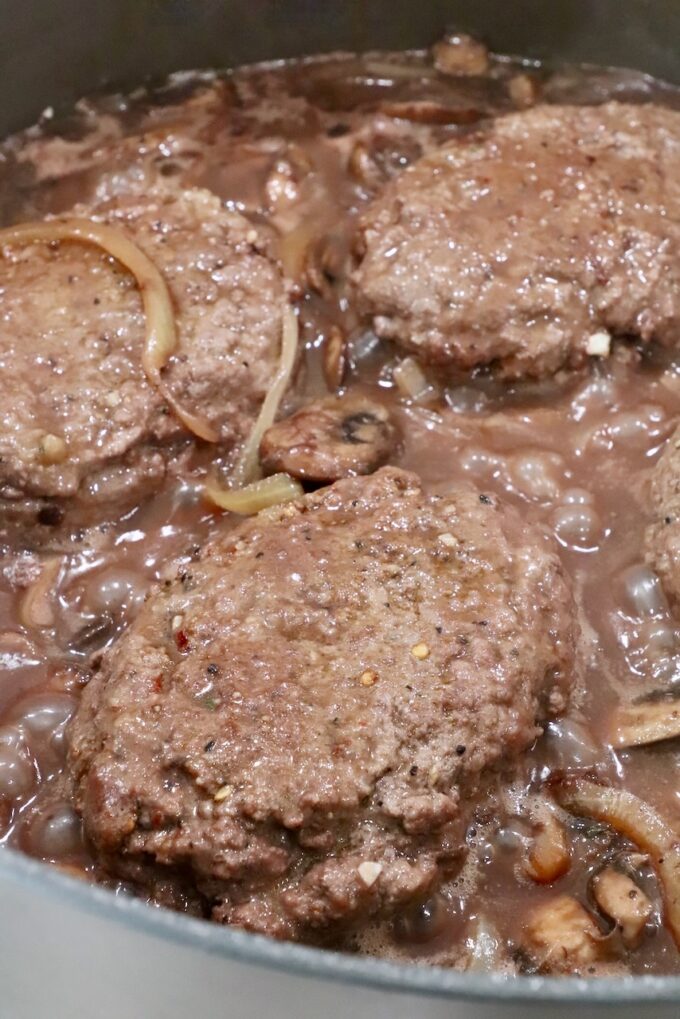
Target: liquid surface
[[301, 149]]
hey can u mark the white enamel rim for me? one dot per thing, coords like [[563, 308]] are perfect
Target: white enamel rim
[[298, 959]]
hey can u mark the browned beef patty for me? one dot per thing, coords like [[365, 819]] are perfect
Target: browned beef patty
[[71, 337], [663, 534], [520, 246], [302, 718]]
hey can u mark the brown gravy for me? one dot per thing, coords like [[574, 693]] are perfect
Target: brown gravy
[[574, 453]]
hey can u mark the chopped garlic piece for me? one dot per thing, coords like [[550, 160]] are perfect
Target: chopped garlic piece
[[448, 540], [52, 449], [599, 344], [223, 793], [420, 651], [369, 872]]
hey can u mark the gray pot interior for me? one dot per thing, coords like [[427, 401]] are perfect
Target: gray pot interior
[[54, 51]]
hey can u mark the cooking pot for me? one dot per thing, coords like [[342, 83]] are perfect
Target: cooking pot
[[70, 950]]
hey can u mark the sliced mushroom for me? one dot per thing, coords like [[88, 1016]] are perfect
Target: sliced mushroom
[[460, 54], [646, 722], [562, 937], [424, 111], [637, 821], [423, 922], [337, 437], [549, 856], [377, 158], [622, 901]]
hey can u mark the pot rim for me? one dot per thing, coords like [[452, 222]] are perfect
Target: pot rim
[[300, 960]]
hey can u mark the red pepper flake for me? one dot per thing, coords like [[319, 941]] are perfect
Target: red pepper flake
[[158, 683], [181, 640]]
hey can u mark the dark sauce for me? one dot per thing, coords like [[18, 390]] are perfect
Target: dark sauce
[[301, 148]]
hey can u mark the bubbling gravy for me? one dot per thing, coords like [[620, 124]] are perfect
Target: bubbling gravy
[[300, 149]]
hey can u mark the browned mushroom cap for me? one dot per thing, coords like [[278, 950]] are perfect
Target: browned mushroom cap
[[338, 437], [632, 817], [460, 54], [562, 937], [623, 902]]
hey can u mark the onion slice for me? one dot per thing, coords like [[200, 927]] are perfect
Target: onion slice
[[161, 334], [484, 947], [412, 381], [549, 857], [247, 468], [272, 491], [37, 609], [639, 822], [649, 722]]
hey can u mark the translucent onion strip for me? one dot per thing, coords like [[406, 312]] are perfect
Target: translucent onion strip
[[161, 335], [650, 722], [248, 467], [411, 380], [272, 491], [639, 822]]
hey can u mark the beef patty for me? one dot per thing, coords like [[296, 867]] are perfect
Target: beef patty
[[663, 534], [301, 719], [83, 434], [527, 246]]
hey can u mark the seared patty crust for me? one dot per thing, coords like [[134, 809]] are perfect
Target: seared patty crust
[[302, 719], [524, 247], [83, 434]]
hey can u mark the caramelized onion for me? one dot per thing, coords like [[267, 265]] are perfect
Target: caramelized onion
[[272, 491], [637, 821], [161, 334], [334, 358], [423, 111], [649, 722], [37, 605], [248, 469], [549, 856], [295, 245]]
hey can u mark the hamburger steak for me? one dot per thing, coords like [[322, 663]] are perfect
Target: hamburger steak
[[663, 534], [528, 245], [302, 718], [430, 717], [83, 434]]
